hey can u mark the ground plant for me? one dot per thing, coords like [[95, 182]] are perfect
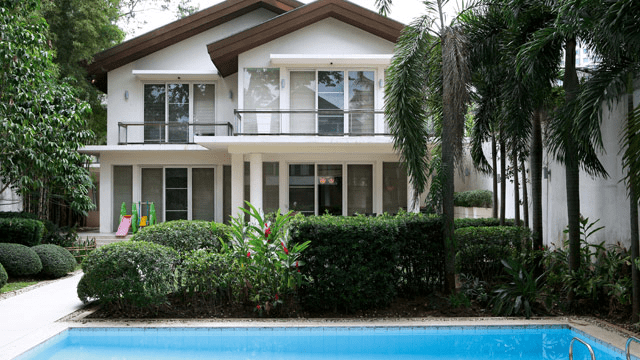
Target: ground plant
[[56, 260], [19, 260], [3, 276]]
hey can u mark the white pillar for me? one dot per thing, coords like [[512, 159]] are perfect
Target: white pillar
[[255, 166], [413, 198], [106, 196], [237, 183]]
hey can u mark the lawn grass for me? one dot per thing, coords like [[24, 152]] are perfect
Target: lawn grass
[[12, 286]]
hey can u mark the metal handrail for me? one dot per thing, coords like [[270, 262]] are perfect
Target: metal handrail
[[626, 347], [124, 125], [593, 356]]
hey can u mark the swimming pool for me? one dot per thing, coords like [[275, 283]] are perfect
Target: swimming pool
[[354, 343]]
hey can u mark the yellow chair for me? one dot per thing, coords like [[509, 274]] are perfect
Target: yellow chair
[[143, 221]]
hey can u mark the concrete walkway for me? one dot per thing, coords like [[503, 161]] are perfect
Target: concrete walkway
[[33, 314]]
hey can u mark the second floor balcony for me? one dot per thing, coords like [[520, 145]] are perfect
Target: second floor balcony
[[321, 123]]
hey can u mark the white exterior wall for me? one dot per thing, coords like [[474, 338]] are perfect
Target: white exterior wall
[[604, 199], [189, 55]]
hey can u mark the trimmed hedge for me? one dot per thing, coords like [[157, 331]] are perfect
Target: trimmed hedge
[[473, 198], [358, 263], [128, 273], [23, 231], [481, 249], [56, 261], [19, 260], [17, 214], [3, 276], [183, 235], [470, 222]]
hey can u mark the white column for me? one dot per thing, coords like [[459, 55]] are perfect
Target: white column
[[237, 183], [106, 196], [255, 166], [413, 198]]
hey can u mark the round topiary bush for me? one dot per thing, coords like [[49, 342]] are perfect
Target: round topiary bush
[[56, 261], [3, 276], [19, 260], [182, 235], [17, 230], [128, 273]]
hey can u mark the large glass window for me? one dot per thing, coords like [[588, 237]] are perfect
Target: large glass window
[[394, 191], [330, 102], [261, 92], [361, 97], [167, 110], [303, 97], [360, 189], [202, 194], [330, 189], [270, 186], [301, 188], [152, 190]]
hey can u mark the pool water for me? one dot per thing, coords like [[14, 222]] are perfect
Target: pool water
[[353, 343]]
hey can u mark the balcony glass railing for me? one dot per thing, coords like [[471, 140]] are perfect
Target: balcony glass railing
[[310, 122], [169, 133]]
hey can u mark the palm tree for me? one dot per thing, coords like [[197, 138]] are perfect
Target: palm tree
[[428, 77]]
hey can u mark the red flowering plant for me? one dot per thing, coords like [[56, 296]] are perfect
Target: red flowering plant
[[270, 264]]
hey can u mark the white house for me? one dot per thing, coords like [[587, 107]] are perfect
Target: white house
[[271, 101]]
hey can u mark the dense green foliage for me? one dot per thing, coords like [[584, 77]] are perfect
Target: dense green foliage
[[130, 273], [473, 198], [56, 261], [19, 260], [3, 276], [470, 222], [481, 249], [184, 235], [17, 214], [41, 119], [21, 231]]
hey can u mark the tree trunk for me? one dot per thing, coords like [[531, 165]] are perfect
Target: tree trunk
[[516, 189], [525, 195], [494, 160], [536, 179], [633, 225], [503, 181], [571, 163]]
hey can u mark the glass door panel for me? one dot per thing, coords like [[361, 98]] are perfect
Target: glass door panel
[[361, 97], [176, 192], [261, 92], [202, 194], [331, 102], [178, 98], [154, 113], [360, 189], [301, 188], [204, 110], [303, 97], [394, 192], [152, 190], [330, 189]]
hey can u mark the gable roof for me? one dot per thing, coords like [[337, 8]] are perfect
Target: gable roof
[[175, 32], [224, 53]]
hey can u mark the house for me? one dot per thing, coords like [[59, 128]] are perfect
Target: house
[[269, 101]]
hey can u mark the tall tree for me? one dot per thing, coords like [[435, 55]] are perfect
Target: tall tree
[[42, 122], [429, 76]]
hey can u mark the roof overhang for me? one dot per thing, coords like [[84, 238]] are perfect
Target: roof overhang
[[224, 53], [175, 32], [175, 75]]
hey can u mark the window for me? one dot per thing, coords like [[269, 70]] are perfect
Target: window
[[394, 191], [301, 188], [331, 94], [359, 189], [176, 192], [270, 186], [261, 92], [167, 109], [330, 189]]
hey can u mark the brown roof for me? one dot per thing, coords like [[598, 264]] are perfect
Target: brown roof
[[224, 53], [175, 32]]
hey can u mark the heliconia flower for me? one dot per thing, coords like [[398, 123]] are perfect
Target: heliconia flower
[[297, 267], [267, 232], [286, 251], [258, 307], [249, 254], [276, 297]]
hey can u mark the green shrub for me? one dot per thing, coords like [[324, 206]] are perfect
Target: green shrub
[[17, 230], [351, 263], [481, 249], [182, 235], [16, 214], [473, 198], [56, 261], [19, 260], [129, 273], [470, 222], [210, 276], [3, 276]]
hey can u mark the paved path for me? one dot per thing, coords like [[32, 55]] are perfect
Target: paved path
[[34, 312]]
